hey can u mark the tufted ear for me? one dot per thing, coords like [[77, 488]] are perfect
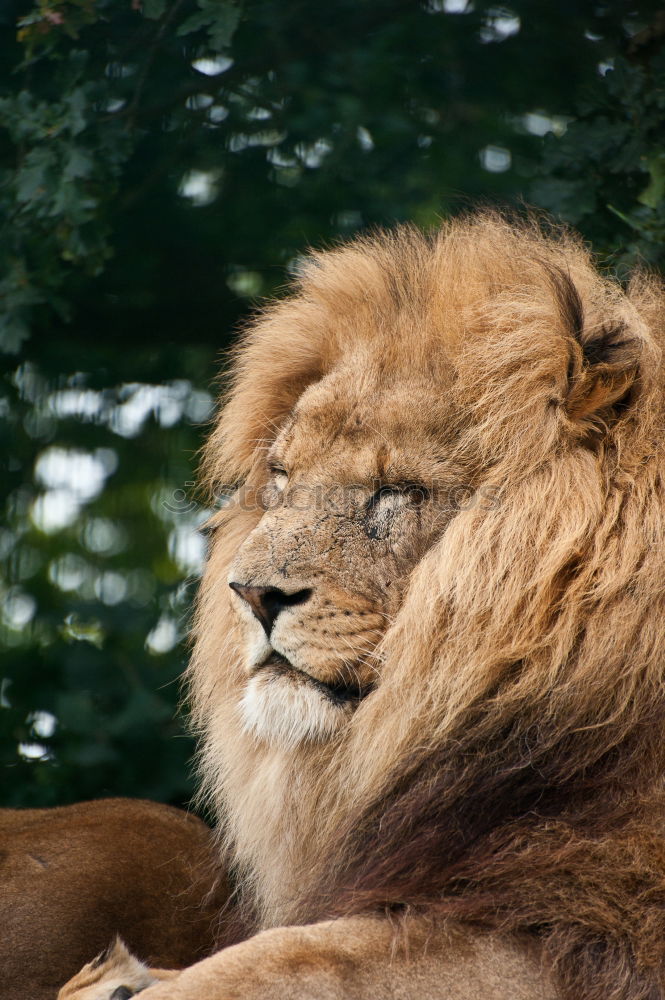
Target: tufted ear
[[605, 352]]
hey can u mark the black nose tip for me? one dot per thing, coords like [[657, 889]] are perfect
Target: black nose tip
[[267, 602]]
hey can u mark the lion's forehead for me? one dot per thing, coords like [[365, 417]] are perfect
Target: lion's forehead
[[358, 423]]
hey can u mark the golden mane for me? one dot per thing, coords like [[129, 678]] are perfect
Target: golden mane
[[508, 767]]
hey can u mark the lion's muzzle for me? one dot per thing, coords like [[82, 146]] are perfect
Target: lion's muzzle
[[267, 602]]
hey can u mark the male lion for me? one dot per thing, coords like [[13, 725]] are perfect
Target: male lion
[[430, 645]]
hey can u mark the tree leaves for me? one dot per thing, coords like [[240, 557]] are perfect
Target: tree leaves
[[220, 19], [606, 175]]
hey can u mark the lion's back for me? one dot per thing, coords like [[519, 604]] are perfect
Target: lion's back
[[73, 877]]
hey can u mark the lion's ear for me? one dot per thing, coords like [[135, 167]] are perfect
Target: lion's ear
[[605, 353], [606, 374]]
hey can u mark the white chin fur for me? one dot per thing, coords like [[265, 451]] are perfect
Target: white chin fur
[[286, 712]]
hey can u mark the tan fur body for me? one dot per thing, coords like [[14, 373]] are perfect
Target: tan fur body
[[358, 958], [74, 877], [458, 709]]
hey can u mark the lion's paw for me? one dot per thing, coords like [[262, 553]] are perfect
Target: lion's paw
[[114, 975]]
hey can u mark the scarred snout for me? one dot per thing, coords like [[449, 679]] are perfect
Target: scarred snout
[[266, 603]]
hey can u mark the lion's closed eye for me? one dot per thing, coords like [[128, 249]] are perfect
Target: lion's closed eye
[[389, 504], [278, 474], [393, 495]]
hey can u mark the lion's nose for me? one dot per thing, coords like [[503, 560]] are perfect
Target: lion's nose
[[267, 602]]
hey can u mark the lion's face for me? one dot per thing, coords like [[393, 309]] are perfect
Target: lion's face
[[358, 489]]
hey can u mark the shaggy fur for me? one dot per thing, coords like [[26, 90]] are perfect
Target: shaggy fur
[[507, 768]]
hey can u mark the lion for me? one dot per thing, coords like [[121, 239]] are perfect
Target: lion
[[74, 876], [429, 652]]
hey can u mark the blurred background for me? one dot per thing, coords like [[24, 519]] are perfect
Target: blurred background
[[162, 165]]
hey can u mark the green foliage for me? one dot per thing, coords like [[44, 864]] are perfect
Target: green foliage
[[606, 175], [73, 124], [162, 164], [98, 550]]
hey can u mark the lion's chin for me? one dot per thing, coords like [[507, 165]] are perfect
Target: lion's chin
[[283, 709]]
